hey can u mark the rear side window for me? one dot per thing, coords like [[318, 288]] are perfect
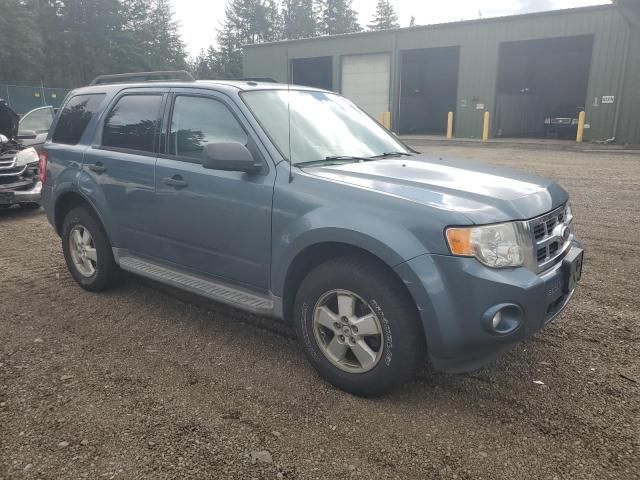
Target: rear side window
[[75, 117], [197, 121], [132, 123]]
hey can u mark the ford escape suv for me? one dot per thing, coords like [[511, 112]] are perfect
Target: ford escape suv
[[291, 202]]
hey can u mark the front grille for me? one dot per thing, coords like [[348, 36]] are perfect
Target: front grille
[[552, 235], [10, 171]]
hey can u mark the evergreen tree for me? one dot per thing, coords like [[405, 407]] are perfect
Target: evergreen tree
[[385, 17], [299, 19], [271, 22], [246, 22], [67, 43], [167, 48], [20, 52], [228, 57], [338, 17], [205, 65]]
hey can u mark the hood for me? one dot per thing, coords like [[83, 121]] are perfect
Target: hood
[[8, 121], [483, 193]]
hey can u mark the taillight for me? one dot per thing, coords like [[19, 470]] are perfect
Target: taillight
[[42, 165]]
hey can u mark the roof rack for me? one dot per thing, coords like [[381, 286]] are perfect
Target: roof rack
[[175, 75], [253, 79]]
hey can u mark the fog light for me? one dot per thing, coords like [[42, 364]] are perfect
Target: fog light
[[503, 319]]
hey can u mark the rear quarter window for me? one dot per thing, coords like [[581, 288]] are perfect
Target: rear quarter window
[[75, 117]]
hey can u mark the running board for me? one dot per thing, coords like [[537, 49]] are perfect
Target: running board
[[220, 292]]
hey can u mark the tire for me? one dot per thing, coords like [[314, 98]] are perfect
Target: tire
[[106, 272], [399, 348], [30, 206]]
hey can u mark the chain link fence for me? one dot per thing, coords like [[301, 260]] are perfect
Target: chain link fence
[[22, 98]]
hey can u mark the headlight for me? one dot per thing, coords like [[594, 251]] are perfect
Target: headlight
[[574, 121], [568, 213], [547, 121], [26, 156], [501, 245]]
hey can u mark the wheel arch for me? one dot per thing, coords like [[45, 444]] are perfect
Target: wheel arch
[[314, 255], [68, 201]]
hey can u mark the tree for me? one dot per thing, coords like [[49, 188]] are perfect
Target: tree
[[167, 49], [205, 65], [69, 42], [385, 17], [20, 53], [338, 17], [271, 22], [246, 22], [299, 19]]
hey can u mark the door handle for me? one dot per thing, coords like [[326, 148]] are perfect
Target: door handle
[[97, 167], [175, 181]]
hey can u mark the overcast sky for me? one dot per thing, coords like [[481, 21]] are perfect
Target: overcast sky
[[199, 18]]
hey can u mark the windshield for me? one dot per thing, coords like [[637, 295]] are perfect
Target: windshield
[[323, 126]]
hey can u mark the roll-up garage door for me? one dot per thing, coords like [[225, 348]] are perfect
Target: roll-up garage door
[[366, 81]]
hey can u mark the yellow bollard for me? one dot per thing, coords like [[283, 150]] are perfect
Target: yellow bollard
[[581, 119], [450, 126], [485, 127], [384, 118]]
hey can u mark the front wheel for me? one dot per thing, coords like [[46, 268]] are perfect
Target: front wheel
[[358, 326]]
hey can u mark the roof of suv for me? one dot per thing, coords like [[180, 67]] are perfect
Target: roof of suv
[[234, 85]]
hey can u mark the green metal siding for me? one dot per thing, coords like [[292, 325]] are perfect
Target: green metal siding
[[629, 122], [479, 43]]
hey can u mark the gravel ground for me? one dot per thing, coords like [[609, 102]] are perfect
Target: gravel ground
[[145, 382]]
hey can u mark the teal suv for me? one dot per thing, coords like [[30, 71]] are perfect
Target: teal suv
[[291, 202]]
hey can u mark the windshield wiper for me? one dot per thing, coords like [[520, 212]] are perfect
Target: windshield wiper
[[332, 160], [392, 154]]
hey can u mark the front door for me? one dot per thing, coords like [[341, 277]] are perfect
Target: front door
[[213, 222]]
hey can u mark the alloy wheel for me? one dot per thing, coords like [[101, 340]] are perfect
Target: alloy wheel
[[83, 251], [348, 331]]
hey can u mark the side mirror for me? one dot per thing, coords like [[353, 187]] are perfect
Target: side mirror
[[229, 156], [27, 135]]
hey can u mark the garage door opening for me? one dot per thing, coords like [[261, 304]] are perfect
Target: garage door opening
[[313, 72], [429, 89], [542, 86]]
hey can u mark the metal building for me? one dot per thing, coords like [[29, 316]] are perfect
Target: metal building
[[522, 69]]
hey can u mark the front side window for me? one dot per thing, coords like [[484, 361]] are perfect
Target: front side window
[[37, 120], [132, 123], [75, 117], [197, 121], [309, 126]]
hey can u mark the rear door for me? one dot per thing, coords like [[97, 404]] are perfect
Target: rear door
[[121, 165], [214, 222]]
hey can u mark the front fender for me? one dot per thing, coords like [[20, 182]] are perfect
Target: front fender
[[379, 236]]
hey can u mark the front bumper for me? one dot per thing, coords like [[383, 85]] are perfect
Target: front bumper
[[26, 194], [454, 294]]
